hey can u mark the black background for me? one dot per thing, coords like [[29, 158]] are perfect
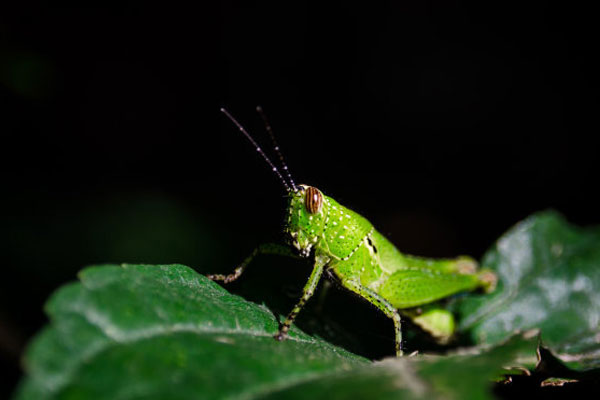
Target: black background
[[443, 122]]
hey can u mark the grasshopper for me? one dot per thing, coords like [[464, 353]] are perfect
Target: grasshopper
[[355, 255]]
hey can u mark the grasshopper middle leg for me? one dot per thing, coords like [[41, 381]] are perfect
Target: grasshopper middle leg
[[381, 303]]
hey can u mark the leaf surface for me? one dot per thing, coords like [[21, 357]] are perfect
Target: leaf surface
[[166, 332]]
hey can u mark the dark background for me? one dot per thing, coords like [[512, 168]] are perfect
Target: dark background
[[443, 122]]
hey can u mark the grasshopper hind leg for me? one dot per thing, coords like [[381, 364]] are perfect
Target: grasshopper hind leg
[[437, 321]]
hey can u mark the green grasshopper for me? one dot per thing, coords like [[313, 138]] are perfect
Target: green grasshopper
[[346, 245]]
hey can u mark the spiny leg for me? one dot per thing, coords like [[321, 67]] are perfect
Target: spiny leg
[[307, 292], [381, 303], [267, 248]]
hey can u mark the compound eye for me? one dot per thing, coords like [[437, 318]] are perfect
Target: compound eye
[[313, 200]]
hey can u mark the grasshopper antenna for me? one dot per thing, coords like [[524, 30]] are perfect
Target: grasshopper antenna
[[259, 110], [257, 147]]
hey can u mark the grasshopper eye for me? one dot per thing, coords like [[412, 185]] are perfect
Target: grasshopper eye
[[313, 200]]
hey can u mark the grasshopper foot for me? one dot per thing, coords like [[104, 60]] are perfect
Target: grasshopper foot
[[489, 280], [280, 336], [226, 278]]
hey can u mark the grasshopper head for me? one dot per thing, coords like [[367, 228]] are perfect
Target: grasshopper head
[[306, 218]]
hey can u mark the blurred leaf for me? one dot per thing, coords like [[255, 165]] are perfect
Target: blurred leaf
[[549, 275], [165, 332]]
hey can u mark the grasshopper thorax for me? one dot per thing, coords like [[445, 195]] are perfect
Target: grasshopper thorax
[[307, 210]]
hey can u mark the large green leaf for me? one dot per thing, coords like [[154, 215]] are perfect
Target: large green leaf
[[549, 276], [165, 332], [149, 327]]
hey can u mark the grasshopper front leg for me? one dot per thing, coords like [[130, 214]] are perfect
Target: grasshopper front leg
[[267, 248], [307, 292]]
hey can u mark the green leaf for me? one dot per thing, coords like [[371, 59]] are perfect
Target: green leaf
[[162, 325], [549, 275], [461, 375], [165, 332]]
